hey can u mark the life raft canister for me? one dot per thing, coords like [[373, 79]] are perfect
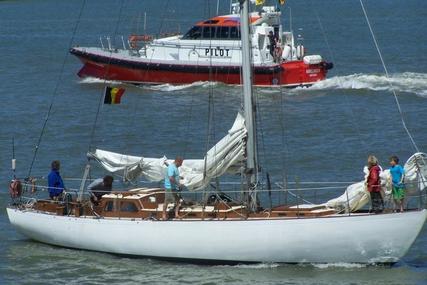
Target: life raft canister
[[15, 188], [134, 39]]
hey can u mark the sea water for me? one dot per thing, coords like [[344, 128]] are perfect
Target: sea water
[[322, 133]]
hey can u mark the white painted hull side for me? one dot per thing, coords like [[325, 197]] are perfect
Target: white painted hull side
[[358, 238]]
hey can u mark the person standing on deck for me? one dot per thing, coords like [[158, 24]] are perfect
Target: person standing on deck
[[398, 189], [272, 44], [172, 186], [373, 184], [55, 183]]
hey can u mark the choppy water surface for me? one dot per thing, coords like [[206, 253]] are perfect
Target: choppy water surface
[[322, 133]]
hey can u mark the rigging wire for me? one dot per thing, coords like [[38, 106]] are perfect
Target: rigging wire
[[331, 54], [211, 104], [55, 91], [101, 97], [388, 77]]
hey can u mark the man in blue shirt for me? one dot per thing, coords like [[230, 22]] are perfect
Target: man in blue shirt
[[172, 186], [54, 179], [398, 189]]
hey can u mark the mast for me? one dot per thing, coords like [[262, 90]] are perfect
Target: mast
[[251, 167]]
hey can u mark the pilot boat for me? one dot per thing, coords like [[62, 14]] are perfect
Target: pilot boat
[[211, 50]]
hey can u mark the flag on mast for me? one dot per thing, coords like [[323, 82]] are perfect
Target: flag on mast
[[259, 2], [113, 95]]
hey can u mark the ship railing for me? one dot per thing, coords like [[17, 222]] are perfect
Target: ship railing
[[295, 193], [106, 44]]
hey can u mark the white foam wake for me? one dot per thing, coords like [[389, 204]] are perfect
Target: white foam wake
[[93, 80], [410, 82], [338, 265], [170, 87], [402, 82]]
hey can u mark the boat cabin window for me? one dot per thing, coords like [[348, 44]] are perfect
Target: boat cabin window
[[223, 32], [109, 206], [209, 32], [194, 33], [212, 32], [128, 207], [234, 33]]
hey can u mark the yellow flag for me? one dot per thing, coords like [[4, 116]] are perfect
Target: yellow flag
[[259, 2]]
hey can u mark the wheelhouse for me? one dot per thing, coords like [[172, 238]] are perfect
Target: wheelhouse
[[217, 28]]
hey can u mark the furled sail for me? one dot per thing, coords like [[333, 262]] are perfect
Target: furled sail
[[225, 156], [356, 196], [416, 172]]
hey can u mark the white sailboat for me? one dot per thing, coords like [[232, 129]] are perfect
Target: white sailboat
[[222, 230]]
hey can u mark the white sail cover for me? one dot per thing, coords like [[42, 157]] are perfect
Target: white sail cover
[[356, 195], [225, 156]]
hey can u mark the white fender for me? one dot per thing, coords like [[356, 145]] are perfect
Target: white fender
[[300, 51], [286, 51]]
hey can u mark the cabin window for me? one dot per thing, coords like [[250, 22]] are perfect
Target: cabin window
[[209, 32], [194, 33], [223, 32], [212, 32], [234, 33], [128, 207], [109, 206]]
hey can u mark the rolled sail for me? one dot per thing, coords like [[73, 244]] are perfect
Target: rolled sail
[[356, 195], [224, 157]]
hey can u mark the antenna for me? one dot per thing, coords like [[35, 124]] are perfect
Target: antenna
[[13, 158], [145, 22]]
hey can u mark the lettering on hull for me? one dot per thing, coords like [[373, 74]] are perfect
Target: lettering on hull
[[311, 71], [216, 52]]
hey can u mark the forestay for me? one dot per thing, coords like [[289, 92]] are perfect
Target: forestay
[[226, 156]]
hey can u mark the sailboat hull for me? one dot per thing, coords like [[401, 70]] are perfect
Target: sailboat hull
[[357, 238]]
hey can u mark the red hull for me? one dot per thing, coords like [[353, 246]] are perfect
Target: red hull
[[290, 74]]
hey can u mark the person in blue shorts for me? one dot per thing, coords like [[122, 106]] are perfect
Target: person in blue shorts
[[172, 186], [398, 188]]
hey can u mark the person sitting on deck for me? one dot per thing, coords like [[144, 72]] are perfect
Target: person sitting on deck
[[172, 186], [99, 187], [397, 175], [55, 183]]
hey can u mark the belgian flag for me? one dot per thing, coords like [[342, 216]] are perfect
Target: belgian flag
[[113, 95]]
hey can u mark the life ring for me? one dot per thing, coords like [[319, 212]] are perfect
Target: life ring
[[15, 188]]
